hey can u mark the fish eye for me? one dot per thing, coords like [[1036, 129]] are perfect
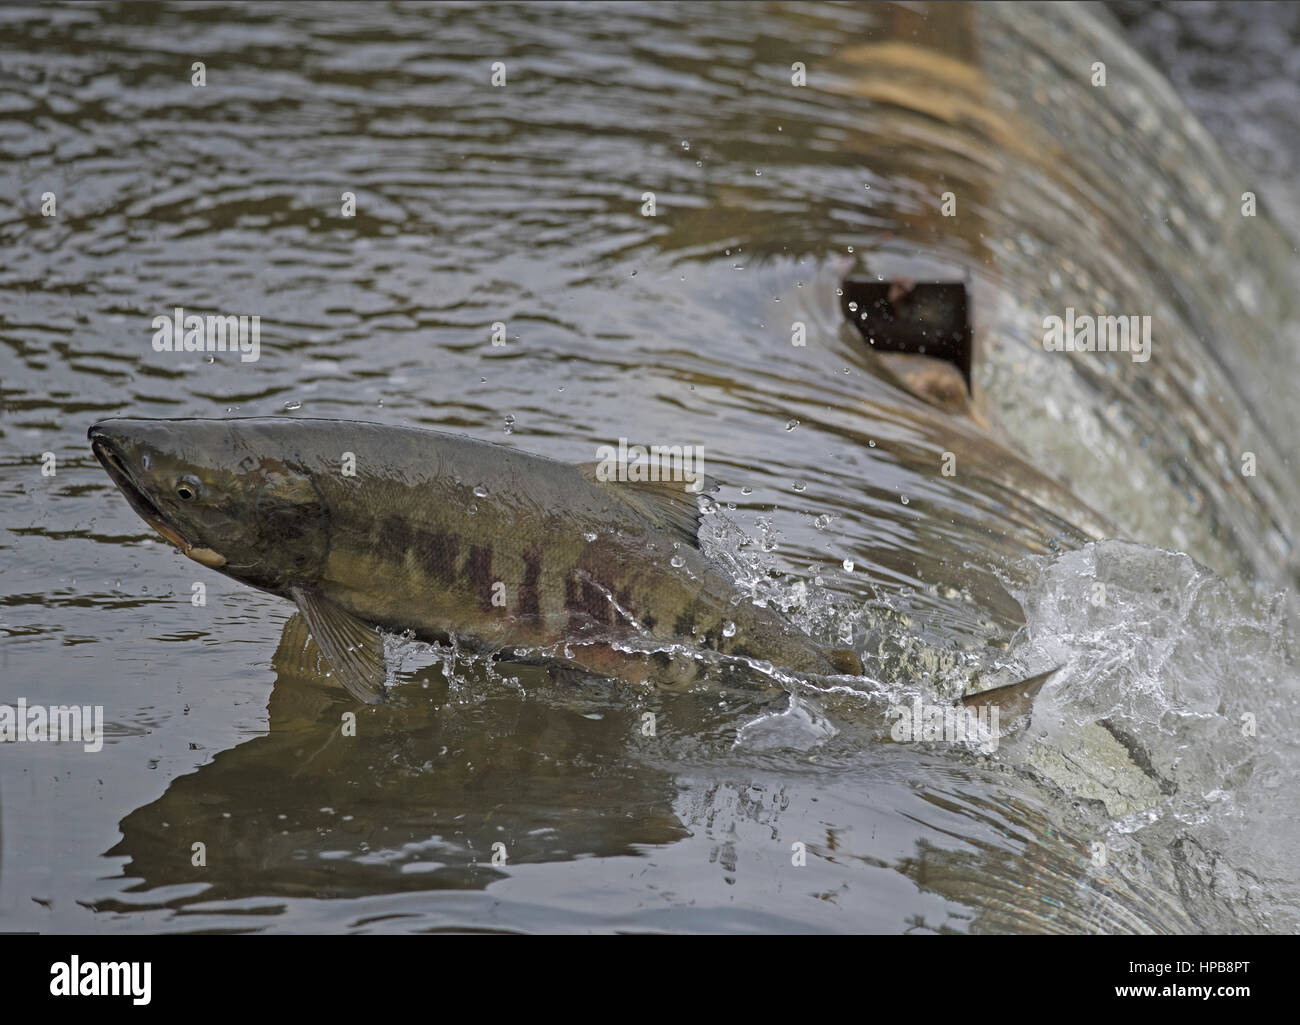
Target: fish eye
[[187, 489]]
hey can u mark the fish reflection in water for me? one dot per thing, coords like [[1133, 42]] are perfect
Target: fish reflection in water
[[413, 798], [429, 795]]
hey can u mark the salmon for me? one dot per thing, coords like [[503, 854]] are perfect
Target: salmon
[[370, 528]]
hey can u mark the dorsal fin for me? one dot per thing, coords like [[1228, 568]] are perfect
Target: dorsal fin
[[666, 504]]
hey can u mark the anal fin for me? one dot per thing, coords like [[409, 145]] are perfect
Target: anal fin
[[354, 649]]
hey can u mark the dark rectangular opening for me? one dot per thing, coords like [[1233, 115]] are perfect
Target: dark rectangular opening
[[928, 318]]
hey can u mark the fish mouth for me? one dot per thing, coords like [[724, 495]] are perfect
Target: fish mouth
[[106, 452]]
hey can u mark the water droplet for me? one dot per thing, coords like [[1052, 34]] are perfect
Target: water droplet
[[590, 535], [746, 491], [728, 629], [791, 424], [758, 174], [686, 144], [480, 491], [800, 486], [872, 444], [903, 499], [823, 521], [850, 249], [677, 562], [853, 307], [848, 565], [293, 404], [472, 508], [634, 274]]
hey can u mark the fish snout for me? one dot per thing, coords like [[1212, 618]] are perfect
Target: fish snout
[[112, 445], [105, 442], [99, 433], [120, 443]]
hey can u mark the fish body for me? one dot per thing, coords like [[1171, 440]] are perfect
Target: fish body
[[364, 525]]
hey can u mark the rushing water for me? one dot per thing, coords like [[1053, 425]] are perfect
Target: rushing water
[[522, 204]]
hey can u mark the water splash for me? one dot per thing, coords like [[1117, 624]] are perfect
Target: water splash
[[1195, 685]]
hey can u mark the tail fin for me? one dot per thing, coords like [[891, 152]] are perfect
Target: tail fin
[[1013, 699]]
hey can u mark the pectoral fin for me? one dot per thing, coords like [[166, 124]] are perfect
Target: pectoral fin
[[354, 650], [297, 656]]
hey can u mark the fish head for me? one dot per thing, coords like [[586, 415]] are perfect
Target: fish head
[[223, 496]]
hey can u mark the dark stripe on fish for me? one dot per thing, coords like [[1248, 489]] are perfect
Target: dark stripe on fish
[[436, 553], [586, 602], [433, 552], [478, 571], [529, 603]]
